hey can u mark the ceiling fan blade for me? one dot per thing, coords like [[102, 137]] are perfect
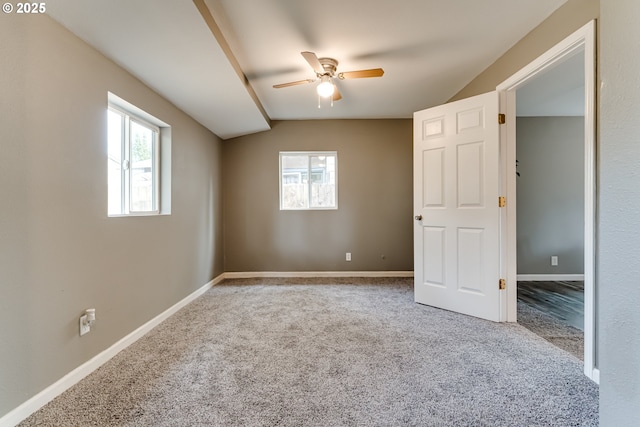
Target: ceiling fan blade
[[312, 59], [299, 82], [337, 96], [374, 72]]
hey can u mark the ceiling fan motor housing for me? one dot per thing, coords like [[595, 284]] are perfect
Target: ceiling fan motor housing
[[330, 65]]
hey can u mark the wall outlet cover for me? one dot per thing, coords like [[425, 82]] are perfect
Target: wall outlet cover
[[84, 325]]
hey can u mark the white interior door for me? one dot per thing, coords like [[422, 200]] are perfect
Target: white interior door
[[457, 224]]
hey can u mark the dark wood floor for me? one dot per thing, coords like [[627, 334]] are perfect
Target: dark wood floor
[[562, 300]]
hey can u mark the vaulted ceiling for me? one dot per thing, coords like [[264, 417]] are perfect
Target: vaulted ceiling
[[218, 60]]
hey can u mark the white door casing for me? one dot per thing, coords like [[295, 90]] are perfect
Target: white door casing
[[582, 40], [457, 224]]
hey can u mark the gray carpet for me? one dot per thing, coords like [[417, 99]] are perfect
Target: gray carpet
[[561, 334], [355, 352]]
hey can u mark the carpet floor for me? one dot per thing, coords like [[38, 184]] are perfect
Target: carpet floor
[[329, 352], [556, 331]]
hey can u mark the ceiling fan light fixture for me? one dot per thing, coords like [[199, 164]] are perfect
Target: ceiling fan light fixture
[[325, 88], [325, 71]]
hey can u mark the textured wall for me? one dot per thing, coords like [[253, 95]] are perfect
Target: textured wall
[[550, 152], [374, 216], [619, 227], [59, 253]]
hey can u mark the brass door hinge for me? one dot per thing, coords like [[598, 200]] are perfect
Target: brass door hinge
[[502, 119], [502, 202], [502, 284]]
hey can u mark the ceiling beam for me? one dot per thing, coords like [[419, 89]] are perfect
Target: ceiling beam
[[224, 45]]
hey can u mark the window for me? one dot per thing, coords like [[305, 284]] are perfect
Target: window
[[134, 175], [308, 180]]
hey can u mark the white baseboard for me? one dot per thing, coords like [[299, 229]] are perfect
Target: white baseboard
[[20, 413], [27, 408], [259, 274], [595, 375], [550, 277]]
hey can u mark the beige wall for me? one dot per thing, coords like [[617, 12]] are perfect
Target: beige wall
[[374, 218], [59, 253], [568, 18]]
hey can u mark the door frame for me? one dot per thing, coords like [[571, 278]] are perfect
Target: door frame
[[581, 40]]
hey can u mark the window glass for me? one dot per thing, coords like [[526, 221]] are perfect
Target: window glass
[[133, 164], [323, 184], [308, 180], [142, 168]]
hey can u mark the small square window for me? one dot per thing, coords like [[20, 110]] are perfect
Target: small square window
[[134, 175], [308, 180]]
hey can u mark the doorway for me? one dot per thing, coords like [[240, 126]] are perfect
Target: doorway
[[550, 205], [580, 44]]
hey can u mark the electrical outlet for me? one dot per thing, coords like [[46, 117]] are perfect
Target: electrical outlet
[[348, 256], [554, 260], [85, 327]]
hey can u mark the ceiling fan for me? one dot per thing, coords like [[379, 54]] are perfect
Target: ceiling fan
[[325, 69]]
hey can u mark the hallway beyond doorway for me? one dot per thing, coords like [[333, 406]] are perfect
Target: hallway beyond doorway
[[554, 311]]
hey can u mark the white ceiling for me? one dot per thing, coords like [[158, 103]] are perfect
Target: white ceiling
[[167, 45], [429, 50]]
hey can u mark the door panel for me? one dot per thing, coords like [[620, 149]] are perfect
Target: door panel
[[470, 244], [434, 255], [433, 165], [456, 161], [470, 175]]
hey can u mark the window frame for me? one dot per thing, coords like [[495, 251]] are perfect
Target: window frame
[[309, 155], [127, 117]]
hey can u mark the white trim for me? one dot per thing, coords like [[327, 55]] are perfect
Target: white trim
[[309, 154], [284, 274], [581, 40], [120, 104], [27, 408], [550, 277], [565, 49], [590, 171], [508, 230]]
